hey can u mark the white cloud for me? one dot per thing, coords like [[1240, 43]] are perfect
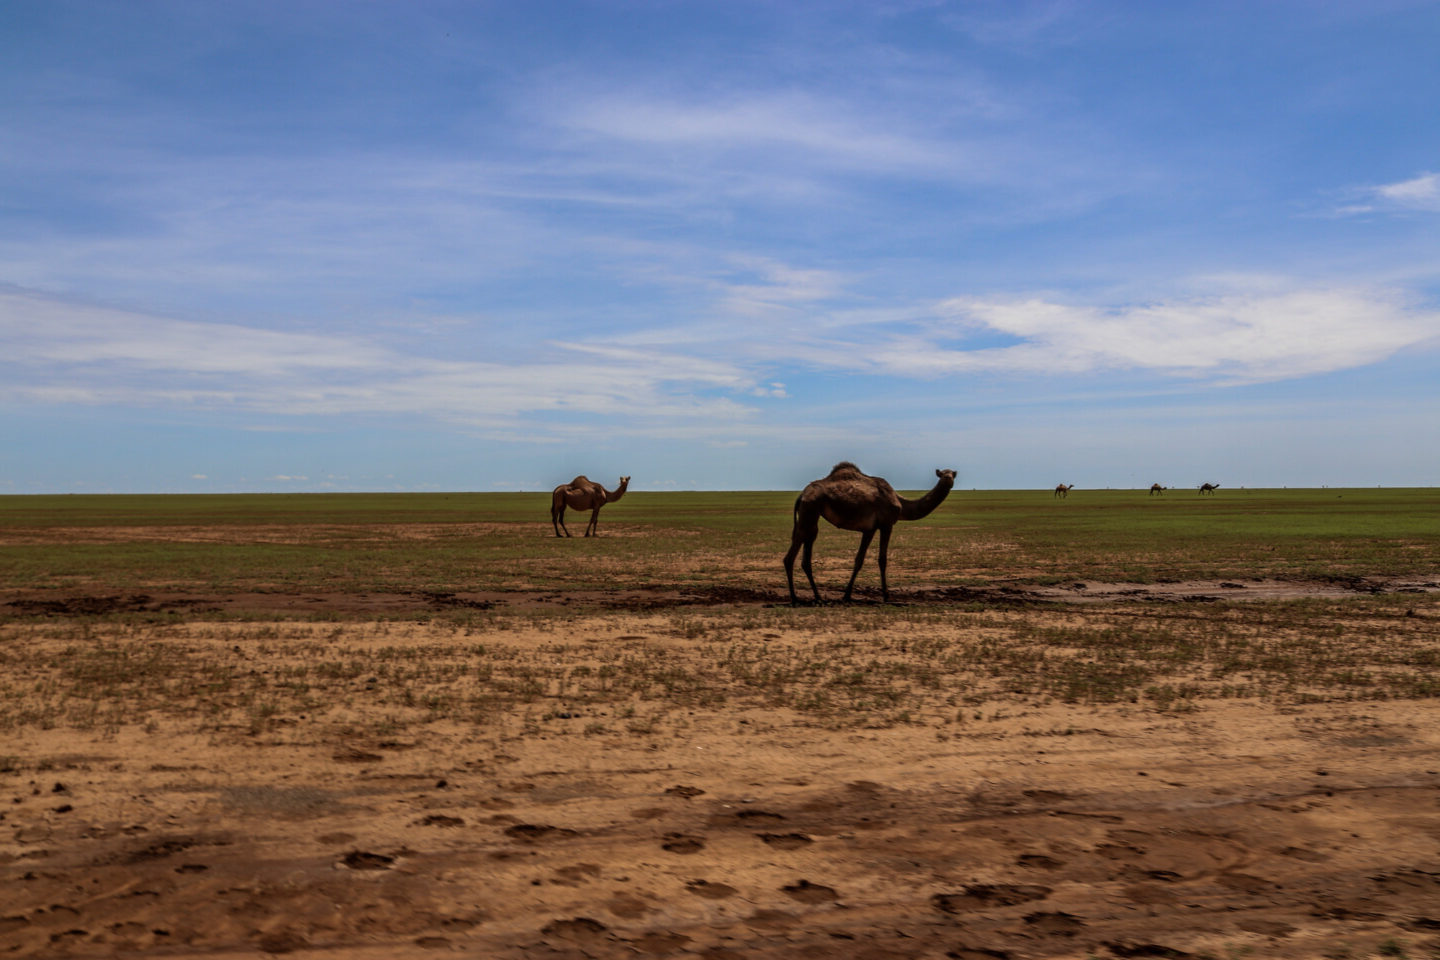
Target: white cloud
[[1255, 332], [811, 126], [700, 387], [1226, 338], [1420, 193], [35, 330], [1238, 328], [52, 351], [775, 286]]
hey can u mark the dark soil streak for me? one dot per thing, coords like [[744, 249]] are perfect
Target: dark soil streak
[[50, 604]]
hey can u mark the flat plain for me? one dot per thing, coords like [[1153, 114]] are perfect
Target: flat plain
[[1109, 725]]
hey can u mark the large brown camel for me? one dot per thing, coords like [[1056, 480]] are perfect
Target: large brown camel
[[1156, 488], [1209, 488], [851, 500], [1063, 490], [582, 494]]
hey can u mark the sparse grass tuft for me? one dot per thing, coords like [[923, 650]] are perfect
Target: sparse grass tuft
[[856, 667]]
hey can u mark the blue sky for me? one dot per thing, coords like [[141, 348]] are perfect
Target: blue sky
[[717, 245]]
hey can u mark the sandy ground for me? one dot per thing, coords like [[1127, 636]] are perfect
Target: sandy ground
[[721, 829]]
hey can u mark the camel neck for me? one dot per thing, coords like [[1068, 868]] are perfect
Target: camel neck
[[612, 495], [916, 509]]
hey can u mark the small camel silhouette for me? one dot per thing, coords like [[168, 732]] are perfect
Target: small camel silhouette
[[582, 494], [1062, 491], [1156, 488], [1209, 488], [852, 500]]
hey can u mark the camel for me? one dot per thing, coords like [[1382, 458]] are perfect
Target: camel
[[1209, 488], [582, 494], [1156, 488], [1063, 490], [851, 500]]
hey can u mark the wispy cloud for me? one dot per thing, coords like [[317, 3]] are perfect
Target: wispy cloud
[[63, 353], [1025, 27], [60, 352], [1417, 193], [1420, 193], [1238, 329], [771, 285], [820, 131], [932, 125], [38, 330], [1221, 339]]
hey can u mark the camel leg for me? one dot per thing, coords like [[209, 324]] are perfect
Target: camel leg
[[805, 563], [883, 560], [790, 563], [557, 518], [801, 537], [592, 528], [865, 539]]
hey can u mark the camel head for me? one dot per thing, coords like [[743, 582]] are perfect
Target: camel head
[[947, 477]]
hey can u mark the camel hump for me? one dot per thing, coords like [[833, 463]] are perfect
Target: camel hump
[[844, 466], [579, 481]]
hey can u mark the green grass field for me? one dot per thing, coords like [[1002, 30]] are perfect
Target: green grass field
[[360, 543]]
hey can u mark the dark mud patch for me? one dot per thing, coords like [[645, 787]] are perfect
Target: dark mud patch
[[682, 843], [982, 895], [538, 832], [101, 606], [579, 928], [804, 891], [453, 601], [366, 860], [711, 890], [665, 597]]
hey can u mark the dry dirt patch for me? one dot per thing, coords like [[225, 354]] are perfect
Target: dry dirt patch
[[677, 785]]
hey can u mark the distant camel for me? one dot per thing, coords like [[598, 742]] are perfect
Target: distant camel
[[851, 500], [1209, 488], [1063, 491], [582, 494], [1156, 488]]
